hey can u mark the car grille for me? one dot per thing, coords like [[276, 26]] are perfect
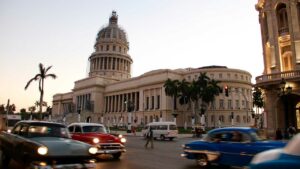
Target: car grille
[[110, 146]]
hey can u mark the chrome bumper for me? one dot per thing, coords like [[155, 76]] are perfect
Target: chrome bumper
[[63, 166], [111, 151]]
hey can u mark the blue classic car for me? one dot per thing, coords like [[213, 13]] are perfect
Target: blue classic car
[[231, 146], [287, 157], [44, 145]]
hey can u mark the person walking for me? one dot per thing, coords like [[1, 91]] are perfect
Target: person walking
[[149, 137]]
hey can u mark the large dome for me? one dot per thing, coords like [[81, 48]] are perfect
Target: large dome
[[112, 31], [111, 58]]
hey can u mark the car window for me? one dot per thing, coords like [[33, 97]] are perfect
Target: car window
[[162, 127], [24, 131], [220, 136], [71, 129], [93, 129], [47, 131], [173, 127], [17, 129], [77, 129]]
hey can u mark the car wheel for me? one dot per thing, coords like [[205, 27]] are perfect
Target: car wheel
[[171, 138], [4, 159], [116, 156], [162, 137], [202, 161]]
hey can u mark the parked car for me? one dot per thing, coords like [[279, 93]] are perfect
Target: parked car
[[163, 130], [96, 134], [43, 145], [287, 157], [231, 146]]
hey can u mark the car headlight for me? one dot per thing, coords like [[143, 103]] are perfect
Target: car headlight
[[93, 150], [42, 150], [120, 135], [123, 140], [96, 140]]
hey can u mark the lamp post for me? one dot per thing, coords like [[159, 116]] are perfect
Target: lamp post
[[284, 94]]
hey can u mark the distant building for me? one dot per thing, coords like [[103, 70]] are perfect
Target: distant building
[[280, 30], [109, 90]]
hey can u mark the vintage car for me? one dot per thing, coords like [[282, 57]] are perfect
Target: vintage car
[[44, 145], [96, 134], [231, 146], [287, 157]]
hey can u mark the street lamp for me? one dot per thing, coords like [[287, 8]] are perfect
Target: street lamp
[[284, 94]]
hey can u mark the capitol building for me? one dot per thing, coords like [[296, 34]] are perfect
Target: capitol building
[[105, 95]]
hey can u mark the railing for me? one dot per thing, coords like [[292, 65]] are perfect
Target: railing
[[278, 76]]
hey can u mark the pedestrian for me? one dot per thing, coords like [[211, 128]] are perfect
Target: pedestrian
[[278, 134], [291, 130], [149, 137]]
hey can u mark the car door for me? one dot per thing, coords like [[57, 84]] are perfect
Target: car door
[[235, 152]]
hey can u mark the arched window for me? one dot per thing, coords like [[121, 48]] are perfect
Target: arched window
[[282, 19]]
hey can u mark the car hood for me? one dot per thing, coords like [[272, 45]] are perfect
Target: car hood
[[63, 146], [104, 137]]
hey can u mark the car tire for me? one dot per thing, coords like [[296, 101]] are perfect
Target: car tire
[[4, 159], [162, 137], [171, 138], [202, 161], [116, 156]]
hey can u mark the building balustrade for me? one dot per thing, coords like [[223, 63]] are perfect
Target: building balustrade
[[288, 75]]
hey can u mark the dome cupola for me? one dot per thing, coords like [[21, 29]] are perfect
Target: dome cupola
[[110, 58]]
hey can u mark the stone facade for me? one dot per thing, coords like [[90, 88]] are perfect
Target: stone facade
[[105, 95], [280, 30]]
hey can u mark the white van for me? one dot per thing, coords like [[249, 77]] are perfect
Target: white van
[[162, 130]]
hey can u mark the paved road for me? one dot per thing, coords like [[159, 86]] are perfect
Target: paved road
[[165, 155]]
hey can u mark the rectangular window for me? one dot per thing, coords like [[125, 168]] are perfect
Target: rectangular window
[[147, 103], [237, 104], [152, 102], [220, 75], [158, 102], [221, 104], [230, 104]]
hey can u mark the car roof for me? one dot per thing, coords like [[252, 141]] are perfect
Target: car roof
[[241, 129], [36, 122], [86, 124]]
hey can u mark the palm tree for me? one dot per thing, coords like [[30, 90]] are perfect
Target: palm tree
[[41, 76], [171, 89]]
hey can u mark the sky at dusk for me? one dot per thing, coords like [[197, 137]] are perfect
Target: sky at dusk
[[162, 34]]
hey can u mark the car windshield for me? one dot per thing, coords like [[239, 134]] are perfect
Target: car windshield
[[48, 131], [94, 129], [257, 135]]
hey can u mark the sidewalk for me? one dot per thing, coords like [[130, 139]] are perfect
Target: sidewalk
[[139, 134]]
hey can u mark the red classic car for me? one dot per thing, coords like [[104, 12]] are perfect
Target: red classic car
[[96, 134]]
